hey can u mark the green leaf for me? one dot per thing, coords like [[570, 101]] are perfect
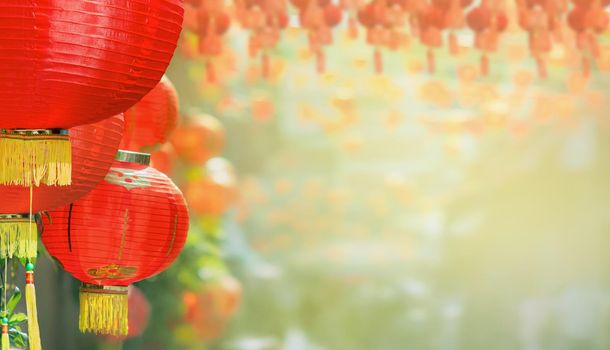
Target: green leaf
[[19, 339], [13, 301], [17, 318]]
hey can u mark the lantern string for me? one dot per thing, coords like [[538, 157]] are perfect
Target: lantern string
[[30, 292], [5, 338]]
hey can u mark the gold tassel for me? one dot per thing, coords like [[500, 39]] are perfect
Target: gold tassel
[[103, 310], [34, 157], [18, 237], [5, 340], [32, 312]]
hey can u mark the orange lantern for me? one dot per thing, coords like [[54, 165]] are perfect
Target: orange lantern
[[199, 138]]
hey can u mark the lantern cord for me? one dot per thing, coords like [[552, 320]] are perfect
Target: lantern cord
[[30, 297]]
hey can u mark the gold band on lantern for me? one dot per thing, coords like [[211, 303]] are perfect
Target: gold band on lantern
[[36, 132], [133, 157]]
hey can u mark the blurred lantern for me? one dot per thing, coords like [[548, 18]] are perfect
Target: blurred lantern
[[163, 159], [264, 19], [431, 22], [453, 18], [541, 19], [487, 21], [210, 21], [93, 149], [318, 17], [262, 108], [130, 227], [588, 19], [215, 191], [209, 310], [64, 65], [198, 138], [350, 7], [383, 21], [149, 123], [139, 313]]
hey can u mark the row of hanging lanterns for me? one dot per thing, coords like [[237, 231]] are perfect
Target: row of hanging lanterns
[[69, 70], [386, 21]]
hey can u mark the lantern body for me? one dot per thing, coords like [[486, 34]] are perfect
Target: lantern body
[[93, 149], [71, 62], [130, 227], [150, 122], [198, 139]]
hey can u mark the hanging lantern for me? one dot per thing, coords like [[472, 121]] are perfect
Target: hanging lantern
[[487, 21], [208, 310], [318, 18], [542, 20], [264, 19], [149, 123], [209, 21], [93, 150], [454, 18], [163, 159], [215, 190], [130, 227], [384, 21], [72, 62], [198, 138], [588, 19]]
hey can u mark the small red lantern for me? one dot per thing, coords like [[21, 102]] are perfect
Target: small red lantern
[[71, 62], [150, 122], [198, 138], [209, 310], [163, 159], [215, 191], [130, 227], [93, 149]]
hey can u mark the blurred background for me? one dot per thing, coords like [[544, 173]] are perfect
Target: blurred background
[[355, 200]]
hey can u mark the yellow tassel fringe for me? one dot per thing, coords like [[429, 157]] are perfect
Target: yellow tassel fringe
[[18, 238], [32, 312], [103, 313], [28, 160]]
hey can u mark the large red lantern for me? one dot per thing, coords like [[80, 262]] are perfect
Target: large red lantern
[[198, 138], [93, 149], [70, 62], [149, 122], [130, 227]]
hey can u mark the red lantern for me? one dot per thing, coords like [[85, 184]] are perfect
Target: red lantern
[[130, 227], [150, 122], [93, 149], [209, 310], [163, 159], [139, 313], [198, 139], [70, 62], [215, 191]]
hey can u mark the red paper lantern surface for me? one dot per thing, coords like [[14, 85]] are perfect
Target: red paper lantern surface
[[93, 149], [71, 62], [150, 122], [198, 138], [130, 227]]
